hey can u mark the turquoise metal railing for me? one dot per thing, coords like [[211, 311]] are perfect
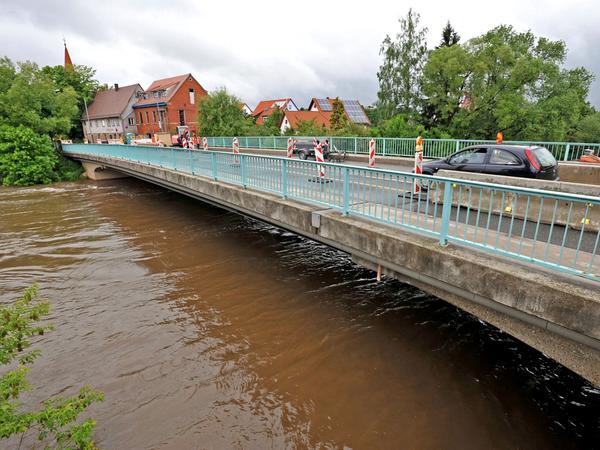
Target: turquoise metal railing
[[551, 229], [432, 148]]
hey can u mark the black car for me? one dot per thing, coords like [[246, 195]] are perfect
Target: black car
[[498, 159], [305, 148]]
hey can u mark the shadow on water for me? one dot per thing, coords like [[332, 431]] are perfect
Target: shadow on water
[[270, 340]]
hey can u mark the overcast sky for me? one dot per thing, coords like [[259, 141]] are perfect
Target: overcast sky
[[269, 48]]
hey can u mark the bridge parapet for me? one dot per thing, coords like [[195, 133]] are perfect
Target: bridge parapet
[[555, 230]]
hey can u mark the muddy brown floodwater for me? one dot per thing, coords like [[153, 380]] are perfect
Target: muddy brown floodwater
[[208, 330]]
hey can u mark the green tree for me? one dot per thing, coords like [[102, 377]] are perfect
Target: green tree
[[81, 79], [588, 129], [272, 123], [30, 97], [400, 73], [220, 114], [26, 157], [445, 83], [338, 119], [401, 125], [449, 36], [55, 423], [513, 82]]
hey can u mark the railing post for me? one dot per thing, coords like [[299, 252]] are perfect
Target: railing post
[[284, 192], [346, 208], [173, 158], [259, 142], [457, 146], [213, 163], [243, 169], [446, 210], [567, 148], [355, 145], [191, 161], [383, 150]]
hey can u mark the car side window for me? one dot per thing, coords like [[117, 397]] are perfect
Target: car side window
[[502, 157], [471, 156]]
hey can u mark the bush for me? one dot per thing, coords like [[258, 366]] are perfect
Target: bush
[[588, 129], [26, 157], [29, 158], [55, 424]]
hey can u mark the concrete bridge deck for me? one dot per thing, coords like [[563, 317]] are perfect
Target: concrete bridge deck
[[557, 313]]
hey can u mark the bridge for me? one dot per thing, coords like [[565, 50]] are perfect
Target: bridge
[[524, 260]]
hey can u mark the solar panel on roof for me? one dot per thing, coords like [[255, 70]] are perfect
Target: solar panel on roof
[[355, 111], [324, 104]]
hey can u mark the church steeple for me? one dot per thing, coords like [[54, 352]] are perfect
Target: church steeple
[[68, 62]]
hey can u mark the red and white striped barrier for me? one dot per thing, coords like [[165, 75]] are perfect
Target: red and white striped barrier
[[418, 164], [372, 153], [320, 159], [290, 147], [205, 144], [236, 145]]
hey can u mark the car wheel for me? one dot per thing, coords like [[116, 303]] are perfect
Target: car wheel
[[302, 156]]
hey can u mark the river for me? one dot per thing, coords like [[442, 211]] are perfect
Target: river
[[209, 330]]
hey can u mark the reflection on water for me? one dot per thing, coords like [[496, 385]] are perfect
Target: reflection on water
[[209, 330]]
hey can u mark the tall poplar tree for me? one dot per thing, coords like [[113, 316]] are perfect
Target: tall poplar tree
[[400, 73]]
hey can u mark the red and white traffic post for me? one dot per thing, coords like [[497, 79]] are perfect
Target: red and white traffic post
[[205, 143], [372, 153], [320, 159], [290, 147], [418, 165], [236, 145]]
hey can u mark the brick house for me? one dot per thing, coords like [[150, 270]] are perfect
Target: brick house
[[110, 115], [266, 107], [168, 103]]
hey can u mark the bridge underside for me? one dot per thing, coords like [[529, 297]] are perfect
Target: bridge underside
[[556, 314]]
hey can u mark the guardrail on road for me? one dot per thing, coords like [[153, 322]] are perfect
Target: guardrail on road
[[432, 148], [550, 229]]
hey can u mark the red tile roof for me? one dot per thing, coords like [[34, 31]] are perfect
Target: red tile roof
[[319, 118], [111, 102], [171, 85], [267, 106]]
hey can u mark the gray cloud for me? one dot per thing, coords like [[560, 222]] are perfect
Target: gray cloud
[[267, 49]]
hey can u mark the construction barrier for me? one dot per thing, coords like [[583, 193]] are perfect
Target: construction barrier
[[372, 153], [290, 147], [205, 143], [319, 158], [418, 164]]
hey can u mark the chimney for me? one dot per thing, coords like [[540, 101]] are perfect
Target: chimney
[[116, 86]]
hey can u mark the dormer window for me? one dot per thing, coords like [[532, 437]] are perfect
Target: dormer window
[[192, 96]]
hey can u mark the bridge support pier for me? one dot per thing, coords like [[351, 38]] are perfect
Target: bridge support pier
[[99, 172]]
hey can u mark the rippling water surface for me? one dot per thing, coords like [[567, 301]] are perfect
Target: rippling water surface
[[206, 329]]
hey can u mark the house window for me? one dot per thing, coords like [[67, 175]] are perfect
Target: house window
[[181, 117], [192, 96], [147, 117], [153, 116], [141, 121], [131, 121], [103, 122]]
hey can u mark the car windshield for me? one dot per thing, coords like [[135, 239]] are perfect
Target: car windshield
[[544, 157]]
